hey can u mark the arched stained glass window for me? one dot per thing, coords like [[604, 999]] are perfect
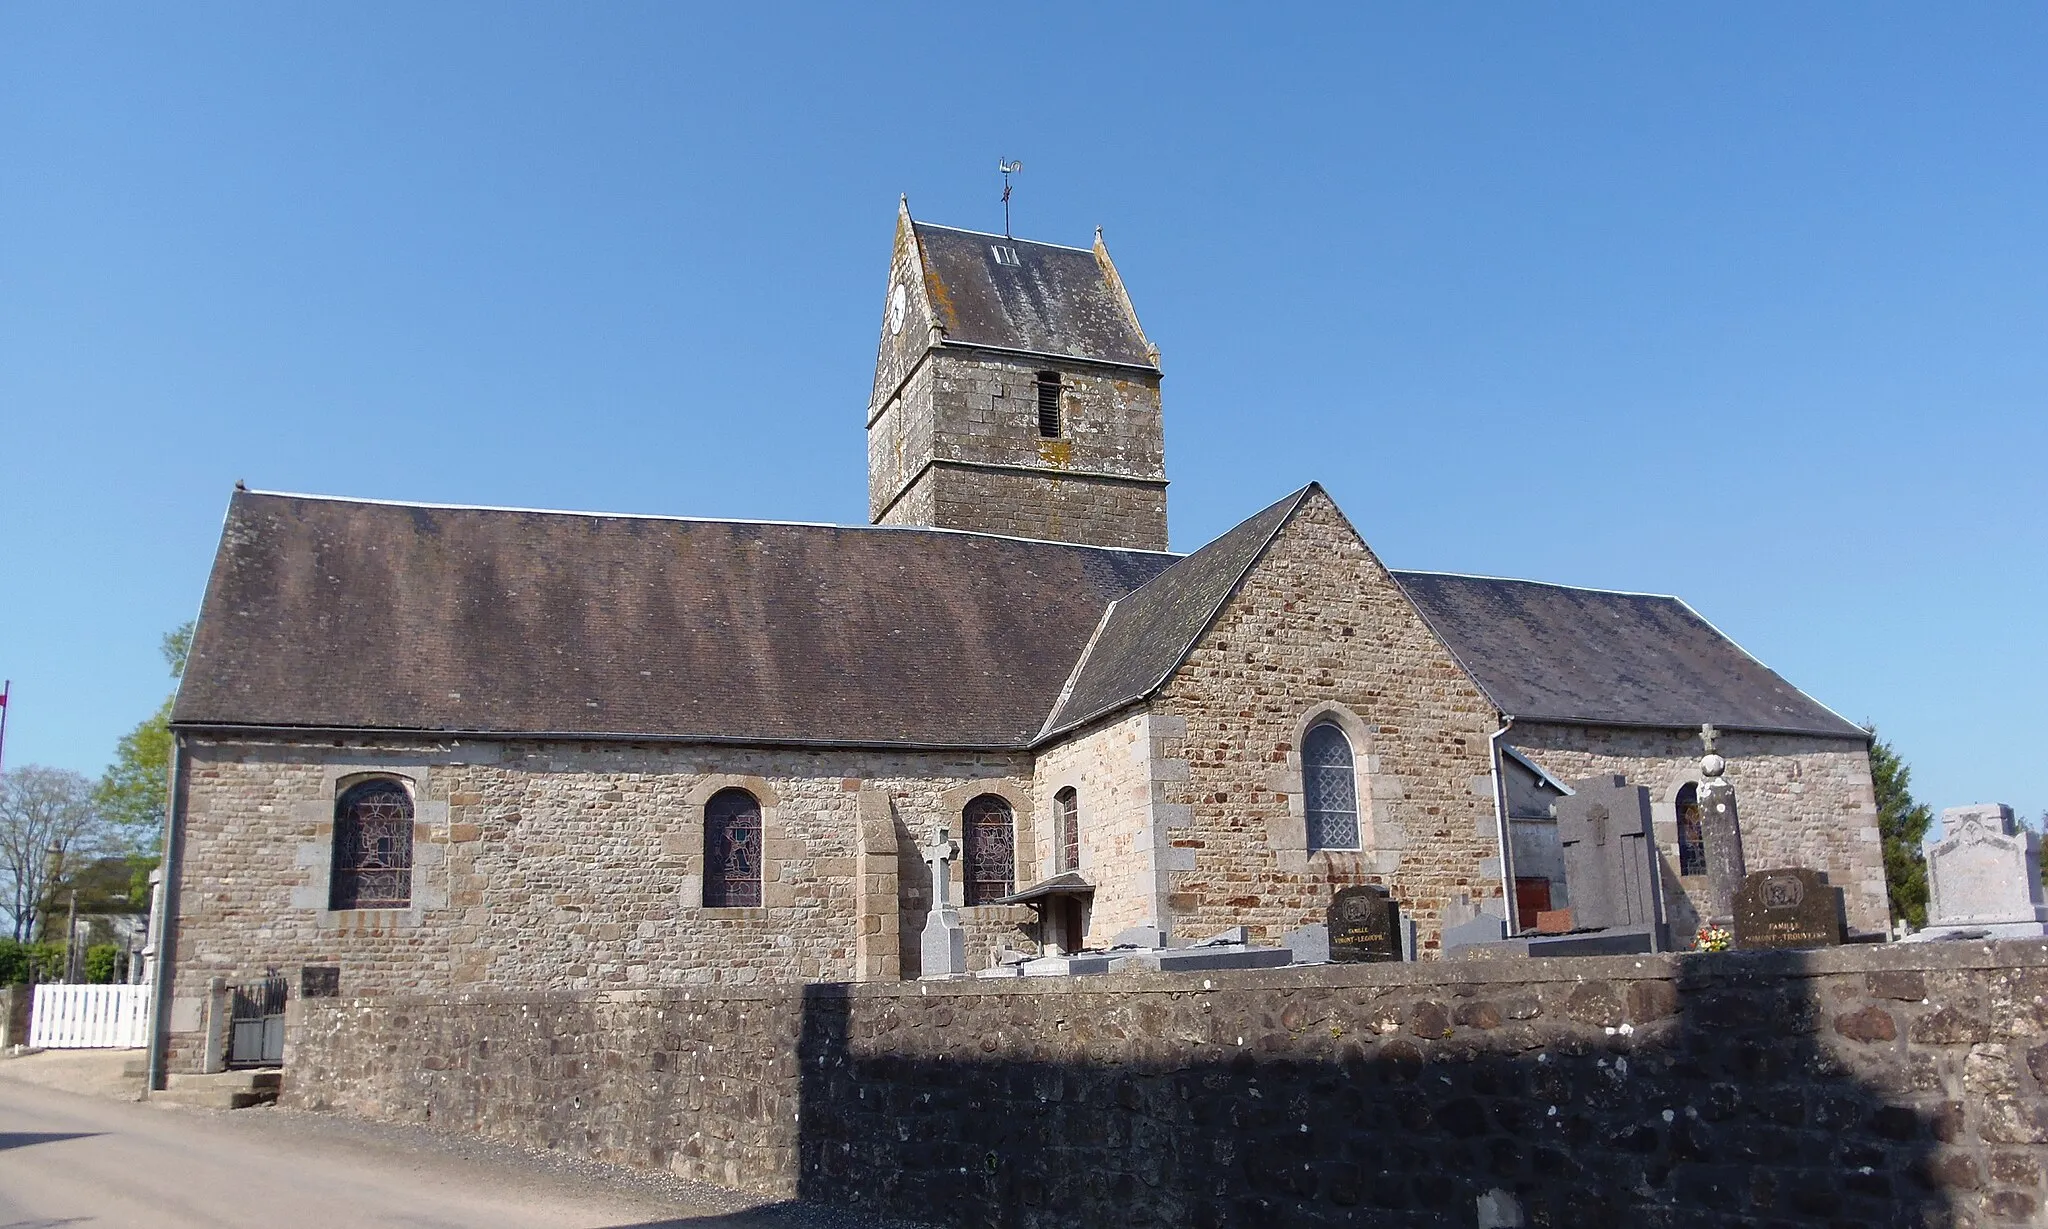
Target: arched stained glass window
[[1330, 789], [989, 837], [1692, 831], [372, 847], [732, 850], [1066, 807]]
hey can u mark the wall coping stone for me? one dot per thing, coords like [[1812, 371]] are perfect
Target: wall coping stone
[[1684, 967]]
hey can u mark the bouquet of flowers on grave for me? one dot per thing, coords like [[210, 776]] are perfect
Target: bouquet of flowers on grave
[[1713, 939]]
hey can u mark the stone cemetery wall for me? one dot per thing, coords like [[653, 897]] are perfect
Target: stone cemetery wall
[[558, 866], [1318, 627], [1865, 1085], [1803, 801]]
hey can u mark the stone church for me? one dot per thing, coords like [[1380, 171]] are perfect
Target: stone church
[[433, 748]]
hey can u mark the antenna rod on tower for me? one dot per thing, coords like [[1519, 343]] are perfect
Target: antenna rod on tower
[[1008, 168]]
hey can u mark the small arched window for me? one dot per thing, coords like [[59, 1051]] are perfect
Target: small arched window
[[1066, 807], [372, 847], [1692, 831], [1329, 788], [732, 850], [990, 840]]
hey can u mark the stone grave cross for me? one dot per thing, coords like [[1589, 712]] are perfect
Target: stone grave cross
[[1722, 829], [942, 948], [941, 853]]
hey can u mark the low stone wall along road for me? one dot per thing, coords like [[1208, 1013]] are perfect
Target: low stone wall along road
[[68, 1159]]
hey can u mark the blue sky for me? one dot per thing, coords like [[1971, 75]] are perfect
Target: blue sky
[[1741, 302]]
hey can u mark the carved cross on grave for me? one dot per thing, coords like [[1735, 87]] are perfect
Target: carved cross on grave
[[939, 854], [1596, 816]]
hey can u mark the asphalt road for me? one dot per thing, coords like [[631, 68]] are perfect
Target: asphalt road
[[72, 1160]]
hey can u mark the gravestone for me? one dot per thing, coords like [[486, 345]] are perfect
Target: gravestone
[[1721, 829], [1610, 856], [1984, 877], [1365, 925], [1310, 944], [942, 947], [1485, 928], [1795, 907]]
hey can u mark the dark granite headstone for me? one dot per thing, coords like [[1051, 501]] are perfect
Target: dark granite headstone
[[1610, 856], [1365, 924], [1795, 907]]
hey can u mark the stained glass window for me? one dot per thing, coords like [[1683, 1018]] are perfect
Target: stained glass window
[[1067, 807], [1330, 789], [1692, 832], [732, 850], [372, 848], [990, 853]]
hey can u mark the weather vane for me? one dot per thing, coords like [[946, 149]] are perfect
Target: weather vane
[[1008, 169]]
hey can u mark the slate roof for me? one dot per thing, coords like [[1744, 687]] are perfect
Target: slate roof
[[1547, 652], [331, 613], [1146, 635], [357, 615], [1054, 301]]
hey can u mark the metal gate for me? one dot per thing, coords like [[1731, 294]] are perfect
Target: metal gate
[[256, 1023]]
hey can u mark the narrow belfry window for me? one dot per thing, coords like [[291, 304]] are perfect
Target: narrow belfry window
[[372, 848], [990, 842], [1067, 808], [1049, 404], [732, 851], [1692, 832], [1330, 789]]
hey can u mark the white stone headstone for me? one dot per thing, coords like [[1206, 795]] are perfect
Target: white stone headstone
[[1984, 874]]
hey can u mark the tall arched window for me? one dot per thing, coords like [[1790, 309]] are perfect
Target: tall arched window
[[372, 847], [989, 837], [732, 850], [1692, 831], [1066, 807], [1329, 789]]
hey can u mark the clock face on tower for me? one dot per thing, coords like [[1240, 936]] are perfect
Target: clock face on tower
[[899, 302]]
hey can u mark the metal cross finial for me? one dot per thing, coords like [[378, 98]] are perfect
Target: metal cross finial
[[1708, 735], [1008, 168]]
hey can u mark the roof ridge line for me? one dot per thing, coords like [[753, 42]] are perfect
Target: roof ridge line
[[1766, 666], [989, 234], [1074, 675], [1294, 502], [700, 520], [1523, 580]]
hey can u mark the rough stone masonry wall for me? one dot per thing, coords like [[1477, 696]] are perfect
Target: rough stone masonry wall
[[982, 412], [1319, 626], [552, 865], [1109, 768], [1803, 801], [1868, 1086]]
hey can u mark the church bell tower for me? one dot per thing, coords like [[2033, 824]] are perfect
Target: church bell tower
[[1015, 393]]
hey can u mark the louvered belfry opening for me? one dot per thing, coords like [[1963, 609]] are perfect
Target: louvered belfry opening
[[732, 850], [990, 850], [1049, 404]]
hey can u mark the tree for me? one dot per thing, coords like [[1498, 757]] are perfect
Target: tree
[[132, 793], [43, 811], [1902, 826]]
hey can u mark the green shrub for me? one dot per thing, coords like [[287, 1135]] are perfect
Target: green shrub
[[103, 963]]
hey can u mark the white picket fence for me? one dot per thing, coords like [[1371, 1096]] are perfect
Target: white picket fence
[[90, 1018]]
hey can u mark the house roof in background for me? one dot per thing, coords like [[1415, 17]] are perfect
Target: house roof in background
[[1546, 652], [1055, 301]]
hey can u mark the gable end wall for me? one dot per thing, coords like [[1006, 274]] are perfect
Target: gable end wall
[[1319, 621]]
